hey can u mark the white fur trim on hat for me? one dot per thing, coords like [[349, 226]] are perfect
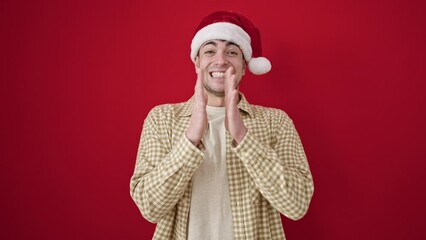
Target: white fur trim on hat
[[222, 31]]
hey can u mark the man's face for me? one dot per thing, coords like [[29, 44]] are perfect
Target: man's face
[[214, 58]]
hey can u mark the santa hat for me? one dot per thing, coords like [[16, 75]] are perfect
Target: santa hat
[[235, 28]]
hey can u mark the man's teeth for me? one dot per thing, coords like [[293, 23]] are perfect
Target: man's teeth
[[218, 74]]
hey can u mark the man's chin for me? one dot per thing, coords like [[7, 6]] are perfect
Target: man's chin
[[214, 92]]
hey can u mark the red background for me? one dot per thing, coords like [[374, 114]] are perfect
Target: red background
[[79, 77]]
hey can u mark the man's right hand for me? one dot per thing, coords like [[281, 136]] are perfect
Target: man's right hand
[[198, 123]]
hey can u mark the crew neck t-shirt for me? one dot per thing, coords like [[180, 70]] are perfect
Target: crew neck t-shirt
[[210, 216]]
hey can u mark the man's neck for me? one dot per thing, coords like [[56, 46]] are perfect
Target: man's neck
[[215, 101]]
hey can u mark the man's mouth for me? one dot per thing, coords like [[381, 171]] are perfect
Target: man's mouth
[[217, 74]]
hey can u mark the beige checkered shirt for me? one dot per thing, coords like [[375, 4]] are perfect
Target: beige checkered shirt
[[268, 172]]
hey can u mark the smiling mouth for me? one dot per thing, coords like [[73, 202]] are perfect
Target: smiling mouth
[[217, 74]]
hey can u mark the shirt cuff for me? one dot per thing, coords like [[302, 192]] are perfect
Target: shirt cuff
[[189, 154], [248, 149]]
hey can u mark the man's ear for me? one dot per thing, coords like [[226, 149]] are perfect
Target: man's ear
[[197, 63], [244, 68]]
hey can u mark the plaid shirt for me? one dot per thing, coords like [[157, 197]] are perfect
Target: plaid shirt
[[268, 172]]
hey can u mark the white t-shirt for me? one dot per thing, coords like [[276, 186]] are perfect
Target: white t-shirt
[[210, 216]]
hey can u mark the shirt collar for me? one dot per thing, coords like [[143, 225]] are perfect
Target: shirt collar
[[245, 106], [185, 110]]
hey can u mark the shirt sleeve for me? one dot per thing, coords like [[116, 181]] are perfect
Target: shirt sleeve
[[162, 172], [280, 170]]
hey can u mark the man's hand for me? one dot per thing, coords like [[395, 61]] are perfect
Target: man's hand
[[233, 122], [198, 123]]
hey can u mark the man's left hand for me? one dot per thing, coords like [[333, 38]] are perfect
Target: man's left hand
[[233, 122]]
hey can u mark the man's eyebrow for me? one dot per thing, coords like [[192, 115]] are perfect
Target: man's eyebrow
[[231, 43], [210, 42], [215, 44]]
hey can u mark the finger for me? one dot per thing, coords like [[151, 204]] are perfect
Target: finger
[[230, 79], [200, 91], [199, 82]]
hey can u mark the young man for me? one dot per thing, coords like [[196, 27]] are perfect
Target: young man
[[217, 167]]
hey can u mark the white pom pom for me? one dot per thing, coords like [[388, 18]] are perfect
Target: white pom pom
[[259, 65]]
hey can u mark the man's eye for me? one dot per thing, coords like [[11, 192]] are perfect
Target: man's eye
[[233, 53], [209, 52]]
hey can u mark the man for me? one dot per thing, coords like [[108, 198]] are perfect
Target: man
[[217, 167]]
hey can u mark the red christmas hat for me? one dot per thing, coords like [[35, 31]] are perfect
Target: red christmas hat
[[236, 28]]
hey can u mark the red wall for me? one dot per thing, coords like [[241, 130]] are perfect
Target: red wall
[[79, 77]]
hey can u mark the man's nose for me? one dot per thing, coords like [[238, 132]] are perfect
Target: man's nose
[[221, 59]]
